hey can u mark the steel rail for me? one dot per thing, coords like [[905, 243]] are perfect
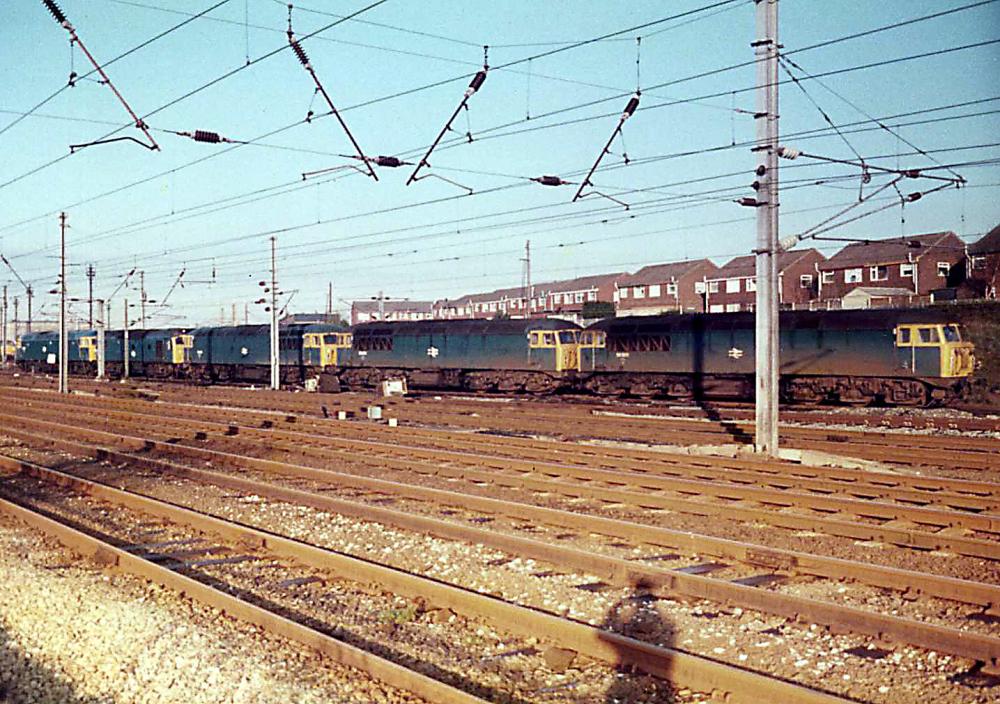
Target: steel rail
[[964, 445], [700, 674], [903, 533], [987, 596], [110, 556], [921, 490], [589, 479], [618, 571]]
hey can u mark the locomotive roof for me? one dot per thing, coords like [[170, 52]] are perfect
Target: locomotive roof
[[265, 330], [877, 319], [463, 327]]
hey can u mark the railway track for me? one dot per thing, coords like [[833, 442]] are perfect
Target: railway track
[[971, 530], [602, 422], [103, 521], [715, 411], [781, 561]]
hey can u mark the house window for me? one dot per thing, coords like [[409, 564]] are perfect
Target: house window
[[713, 286], [732, 285], [638, 292], [716, 308], [977, 262], [806, 281], [827, 277], [752, 284], [878, 273], [906, 270], [732, 307], [943, 268], [852, 276], [671, 289], [578, 297], [591, 295], [654, 290], [623, 293]]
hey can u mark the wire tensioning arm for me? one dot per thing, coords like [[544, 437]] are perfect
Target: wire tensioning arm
[[474, 85], [630, 108], [300, 54], [60, 17]]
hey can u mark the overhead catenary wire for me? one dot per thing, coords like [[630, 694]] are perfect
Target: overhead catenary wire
[[586, 104], [192, 92], [341, 240], [801, 135]]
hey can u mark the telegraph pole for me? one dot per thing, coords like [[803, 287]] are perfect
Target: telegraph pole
[[30, 294], [63, 341], [91, 271], [142, 299], [125, 350], [275, 378], [101, 324], [766, 339], [17, 319], [526, 283], [3, 324]]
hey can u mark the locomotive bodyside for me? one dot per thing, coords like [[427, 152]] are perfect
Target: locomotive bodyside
[[501, 355], [849, 356]]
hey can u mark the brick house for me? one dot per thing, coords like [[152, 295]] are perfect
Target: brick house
[[733, 287], [565, 299], [919, 265], [663, 288], [368, 311], [983, 265], [482, 306]]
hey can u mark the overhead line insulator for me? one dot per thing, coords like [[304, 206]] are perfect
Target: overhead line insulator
[[550, 181], [210, 137], [56, 12], [300, 53]]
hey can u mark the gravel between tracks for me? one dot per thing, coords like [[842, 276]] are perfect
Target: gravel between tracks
[[764, 643], [70, 633]]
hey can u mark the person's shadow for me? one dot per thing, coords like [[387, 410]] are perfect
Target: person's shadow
[[636, 616]]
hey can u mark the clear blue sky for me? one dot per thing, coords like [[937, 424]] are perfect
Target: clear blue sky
[[420, 252]]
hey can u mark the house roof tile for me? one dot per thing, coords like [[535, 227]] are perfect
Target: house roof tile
[[662, 273], [891, 251]]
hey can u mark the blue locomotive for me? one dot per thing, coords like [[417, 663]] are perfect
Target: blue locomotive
[[896, 357], [893, 356], [242, 352], [535, 355], [205, 354]]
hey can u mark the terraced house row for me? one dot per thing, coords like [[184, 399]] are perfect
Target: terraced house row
[[904, 271]]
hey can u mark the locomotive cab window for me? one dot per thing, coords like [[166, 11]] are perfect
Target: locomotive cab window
[[567, 337], [928, 335], [903, 337], [540, 339], [951, 333]]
